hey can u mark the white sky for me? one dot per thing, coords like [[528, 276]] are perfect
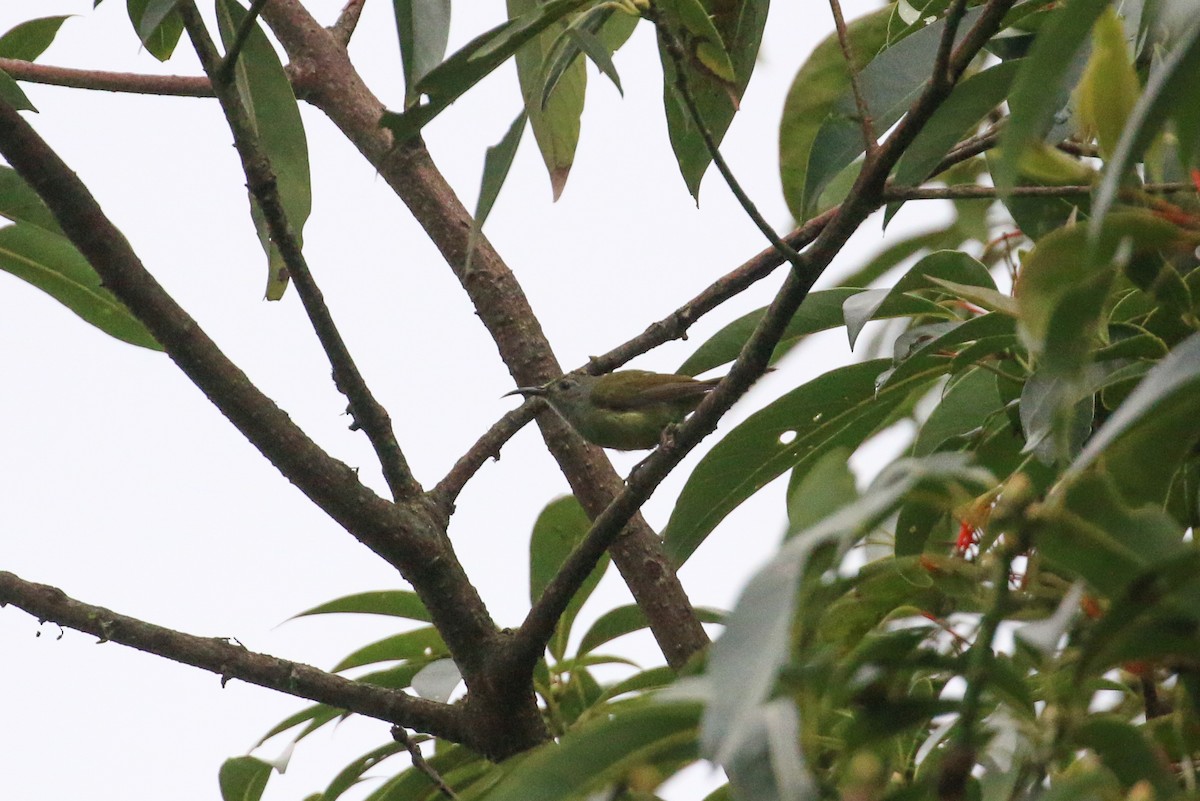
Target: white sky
[[122, 485]]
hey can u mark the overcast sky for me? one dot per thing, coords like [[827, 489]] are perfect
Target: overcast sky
[[123, 486]]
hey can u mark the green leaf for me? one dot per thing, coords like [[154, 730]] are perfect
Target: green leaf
[[497, 161], [266, 93], [243, 778], [1041, 85], [818, 492], [1109, 86], [628, 619], [30, 39], [761, 623], [453, 763], [598, 32], [1065, 261], [19, 203], [1126, 752], [967, 404], [1089, 531], [1171, 90], [952, 265], [158, 25], [423, 644], [889, 85], [350, 775], [553, 117], [396, 603], [466, 67], [51, 263], [820, 311], [12, 94], [601, 751], [558, 530], [423, 27], [837, 410], [717, 73], [815, 94], [967, 106], [1146, 439]]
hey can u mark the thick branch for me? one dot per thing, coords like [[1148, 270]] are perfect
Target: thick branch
[[230, 661], [405, 536], [368, 413], [321, 69]]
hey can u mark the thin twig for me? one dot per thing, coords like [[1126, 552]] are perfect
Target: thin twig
[[231, 661], [870, 143], [347, 21], [366, 410], [675, 50], [171, 85], [224, 71], [486, 447], [400, 735]]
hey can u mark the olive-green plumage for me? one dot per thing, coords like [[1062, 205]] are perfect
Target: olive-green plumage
[[626, 410]]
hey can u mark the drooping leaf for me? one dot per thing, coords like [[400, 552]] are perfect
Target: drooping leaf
[[423, 27], [51, 263], [837, 410], [1041, 87], [555, 117], [19, 203], [350, 775], [12, 94], [598, 32], [1145, 440], [157, 24], [266, 93], [243, 778], [464, 68], [717, 71], [30, 39], [1109, 86], [559, 528]]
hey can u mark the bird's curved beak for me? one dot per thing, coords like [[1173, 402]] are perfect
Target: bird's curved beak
[[526, 392]]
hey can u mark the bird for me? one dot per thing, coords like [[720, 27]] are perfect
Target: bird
[[626, 410]]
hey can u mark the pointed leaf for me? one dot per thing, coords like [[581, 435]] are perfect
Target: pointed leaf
[[497, 161], [243, 779], [51, 263], [158, 25], [419, 644], [30, 39], [628, 619], [397, 603], [837, 410], [423, 27]]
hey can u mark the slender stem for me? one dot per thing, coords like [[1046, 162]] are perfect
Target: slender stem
[[675, 50], [172, 85], [870, 143], [224, 71], [972, 192], [232, 661], [366, 410], [418, 761]]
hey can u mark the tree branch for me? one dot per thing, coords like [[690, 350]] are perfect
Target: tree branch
[[368, 413], [407, 537], [230, 661], [347, 21], [174, 85], [320, 67], [970, 192]]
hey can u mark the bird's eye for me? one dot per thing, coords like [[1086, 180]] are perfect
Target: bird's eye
[[564, 385]]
